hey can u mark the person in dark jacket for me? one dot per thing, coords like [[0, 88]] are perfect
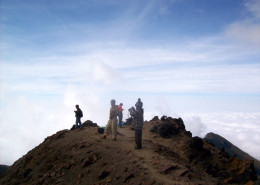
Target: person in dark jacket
[[78, 115], [138, 115]]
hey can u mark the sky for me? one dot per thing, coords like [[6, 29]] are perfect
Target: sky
[[198, 60]]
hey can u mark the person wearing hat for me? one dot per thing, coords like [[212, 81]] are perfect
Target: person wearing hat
[[139, 103], [112, 123]]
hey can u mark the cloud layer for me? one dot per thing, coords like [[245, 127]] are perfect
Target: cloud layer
[[242, 129]]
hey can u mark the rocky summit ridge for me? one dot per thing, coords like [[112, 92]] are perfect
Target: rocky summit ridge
[[170, 155], [223, 144]]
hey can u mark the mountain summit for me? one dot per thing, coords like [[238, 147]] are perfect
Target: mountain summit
[[170, 155]]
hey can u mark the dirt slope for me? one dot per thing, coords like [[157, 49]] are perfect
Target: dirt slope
[[82, 157]]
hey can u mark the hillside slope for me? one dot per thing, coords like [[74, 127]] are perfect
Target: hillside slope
[[231, 149], [82, 157]]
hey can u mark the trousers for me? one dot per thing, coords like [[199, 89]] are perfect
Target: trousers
[[112, 127], [78, 121], [138, 138], [120, 119]]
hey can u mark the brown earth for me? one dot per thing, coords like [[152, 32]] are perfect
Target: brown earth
[[82, 157]]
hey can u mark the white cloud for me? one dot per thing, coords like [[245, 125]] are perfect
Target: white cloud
[[37, 104], [241, 129], [196, 79], [26, 123], [253, 7], [162, 107], [71, 96], [195, 125], [247, 31], [105, 73]]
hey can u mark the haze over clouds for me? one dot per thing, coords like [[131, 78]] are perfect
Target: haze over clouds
[[192, 59]]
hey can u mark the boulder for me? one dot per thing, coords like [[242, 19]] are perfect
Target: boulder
[[167, 130], [196, 143], [163, 118], [155, 118], [89, 123]]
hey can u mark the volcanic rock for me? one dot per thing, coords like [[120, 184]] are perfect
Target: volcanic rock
[[155, 118], [226, 146], [87, 123]]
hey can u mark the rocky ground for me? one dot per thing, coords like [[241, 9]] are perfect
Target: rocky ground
[[222, 143], [170, 155]]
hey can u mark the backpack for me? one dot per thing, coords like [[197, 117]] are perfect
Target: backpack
[[101, 130], [81, 114]]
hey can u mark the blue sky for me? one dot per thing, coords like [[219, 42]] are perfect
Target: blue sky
[[198, 60]]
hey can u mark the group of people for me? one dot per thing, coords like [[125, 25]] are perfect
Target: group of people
[[117, 111]]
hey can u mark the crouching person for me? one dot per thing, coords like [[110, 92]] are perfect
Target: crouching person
[[112, 123], [138, 115]]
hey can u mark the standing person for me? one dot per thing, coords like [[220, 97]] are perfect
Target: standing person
[[112, 123], [138, 115], [78, 115], [120, 108]]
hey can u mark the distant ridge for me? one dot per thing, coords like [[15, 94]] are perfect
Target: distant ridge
[[220, 142], [3, 168]]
